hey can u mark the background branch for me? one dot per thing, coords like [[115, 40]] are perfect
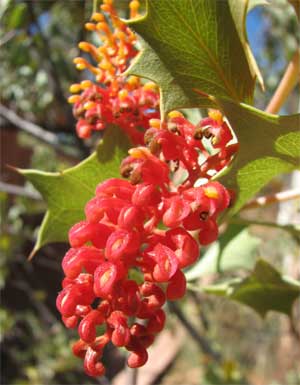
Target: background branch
[[38, 132], [286, 85]]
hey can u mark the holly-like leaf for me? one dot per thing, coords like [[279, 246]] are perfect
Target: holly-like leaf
[[264, 290], [194, 44], [239, 10], [269, 146], [67, 192], [235, 249]]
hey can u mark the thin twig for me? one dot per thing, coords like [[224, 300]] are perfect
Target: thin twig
[[203, 343], [131, 376], [35, 130], [272, 198], [286, 85], [18, 190], [292, 229]]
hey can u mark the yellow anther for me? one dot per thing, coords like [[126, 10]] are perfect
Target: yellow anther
[[211, 192], [150, 86], [155, 123], [74, 88], [86, 84], [175, 114], [216, 115], [133, 81], [109, 2], [73, 99], [139, 152], [89, 105], [123, 94], [97, 16], [90, 26]]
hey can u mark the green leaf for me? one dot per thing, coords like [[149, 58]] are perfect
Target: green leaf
[[239, 10], [17, 17], [235, 249], [264, 290], [269, 146], [192, 45], [67, 192]]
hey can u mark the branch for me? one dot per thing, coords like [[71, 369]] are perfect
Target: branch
[[292, 229], [36, 131], [203, 343], [286, 85], [18, 190], [272, 198]]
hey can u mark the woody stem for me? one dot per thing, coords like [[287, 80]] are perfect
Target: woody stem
[[286, 85]]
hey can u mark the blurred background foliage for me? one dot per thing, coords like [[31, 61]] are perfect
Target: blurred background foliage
[[38, 40]]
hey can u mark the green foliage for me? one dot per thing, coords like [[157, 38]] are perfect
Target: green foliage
[[263, 290], [235, 249], [67, 192], [196, 47], [269, 146]]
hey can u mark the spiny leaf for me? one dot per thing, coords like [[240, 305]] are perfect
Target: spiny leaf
[[239, 10], [196, 46], [269, 146], [264, 290], [67, 192], [235, 249]]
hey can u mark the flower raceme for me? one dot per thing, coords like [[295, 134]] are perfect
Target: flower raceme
[[140, 225], [121, 235], [114, 98]]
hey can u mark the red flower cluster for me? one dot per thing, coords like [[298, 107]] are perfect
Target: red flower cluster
[[120, 234], [140, 226], [115, 98]]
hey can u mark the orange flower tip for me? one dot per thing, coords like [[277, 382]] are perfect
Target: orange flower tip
[[120, 35], [80, 66], [86, 84], [155, 123], [134, 5], [150, 86], [133, 81], [84, 46], [103, 26], [89, 105], [123, 95], [105, 65], [74, 88], [108, 2], [106, 8], [216, 115], [175, 114], [139, 152], [73, 99], [96, 16], [90, 26], [211, 192]]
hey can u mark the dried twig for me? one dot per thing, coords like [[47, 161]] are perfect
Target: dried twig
[[272, 198], [202, 342]]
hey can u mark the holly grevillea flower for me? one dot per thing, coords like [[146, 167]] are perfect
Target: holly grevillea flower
[[150, 224], [120, 235], [112, 98]]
